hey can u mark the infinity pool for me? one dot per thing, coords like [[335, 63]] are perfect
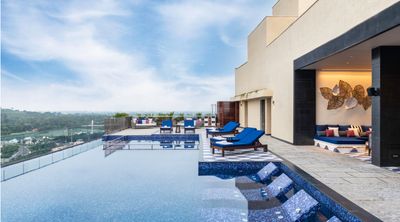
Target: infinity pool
[[144, 185], [130, 185]]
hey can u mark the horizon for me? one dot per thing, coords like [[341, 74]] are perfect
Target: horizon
[[158, 56]]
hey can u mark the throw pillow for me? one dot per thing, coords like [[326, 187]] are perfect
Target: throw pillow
[[329, 133], [343, 133], [357, 127], [356, 132], [350, 133], [335, 130]]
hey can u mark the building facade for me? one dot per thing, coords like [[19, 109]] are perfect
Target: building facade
[[310, 44]]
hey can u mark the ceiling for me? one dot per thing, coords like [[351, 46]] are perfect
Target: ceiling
[[358, 57]]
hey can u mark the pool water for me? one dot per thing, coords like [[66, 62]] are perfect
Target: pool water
[[139, 185], [163, 144]]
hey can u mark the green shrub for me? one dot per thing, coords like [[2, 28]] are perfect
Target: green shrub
[[8, 150]]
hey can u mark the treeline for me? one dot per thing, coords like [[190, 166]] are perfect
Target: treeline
[[13, 121]]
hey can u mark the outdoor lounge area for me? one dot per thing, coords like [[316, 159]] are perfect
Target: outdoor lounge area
[[343, 138]]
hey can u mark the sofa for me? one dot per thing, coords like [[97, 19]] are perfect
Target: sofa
[[144, 122], [341, 142]]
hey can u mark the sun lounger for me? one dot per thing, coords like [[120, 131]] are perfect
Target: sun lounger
[[279, 187], [166, 126], [189, 126], [250, 141], [229, 128], [261, 176], [236, 138], [299, 207]]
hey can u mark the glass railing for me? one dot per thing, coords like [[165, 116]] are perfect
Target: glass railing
[[26, 166]]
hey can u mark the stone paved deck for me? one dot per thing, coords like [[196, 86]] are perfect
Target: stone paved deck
[[375, 189]]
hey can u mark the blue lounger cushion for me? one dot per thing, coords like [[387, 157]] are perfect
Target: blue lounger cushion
[[248, 140], [334, 219], [236, 138], [262, 175], [188, 124], [166, 124], [229, 127], [341, 140], [279, 187], [299, 207]]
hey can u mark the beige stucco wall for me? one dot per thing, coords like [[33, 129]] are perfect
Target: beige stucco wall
[[285, 8], [355, 116], [304, 5], [254, 113], [276, 25], [257, 40], [265, 32], [242, 113], [272, 68]]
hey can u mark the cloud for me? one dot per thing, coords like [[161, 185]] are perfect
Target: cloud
[[85, 38], [191, 19], [7, 74]]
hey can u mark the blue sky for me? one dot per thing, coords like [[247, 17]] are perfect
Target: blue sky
[[132, 55]]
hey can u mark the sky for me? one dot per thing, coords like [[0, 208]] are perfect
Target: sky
[[125, 55]]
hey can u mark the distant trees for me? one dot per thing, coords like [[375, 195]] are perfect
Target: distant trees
[[8, 150], [121, 115], [13, 121]]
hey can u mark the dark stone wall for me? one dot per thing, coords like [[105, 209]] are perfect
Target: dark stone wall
[[304, 107], [386, 107]]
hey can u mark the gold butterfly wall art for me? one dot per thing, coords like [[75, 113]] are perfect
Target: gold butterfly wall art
[[344, 94]]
